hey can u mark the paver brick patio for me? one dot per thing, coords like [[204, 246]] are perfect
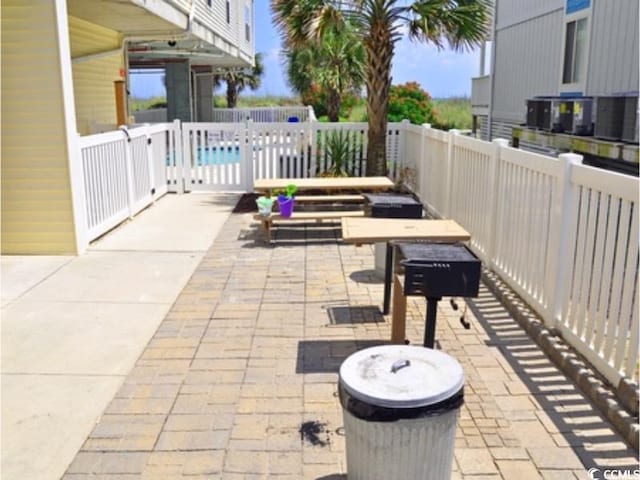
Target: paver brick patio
[[240, 379]]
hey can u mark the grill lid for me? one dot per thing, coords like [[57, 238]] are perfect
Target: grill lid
[[435, 252], [393, 199]]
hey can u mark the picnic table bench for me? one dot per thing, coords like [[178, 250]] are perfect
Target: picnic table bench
[[311, 186]]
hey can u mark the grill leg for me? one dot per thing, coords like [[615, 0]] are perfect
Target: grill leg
[[388, 273], [430, 321]]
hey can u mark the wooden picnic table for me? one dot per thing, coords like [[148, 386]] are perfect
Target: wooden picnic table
[[376, 230], [315, 185], [267, 185]]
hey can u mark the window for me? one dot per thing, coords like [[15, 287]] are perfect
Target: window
[[228, 7], [247, 23], [574, 51], [209, 2]]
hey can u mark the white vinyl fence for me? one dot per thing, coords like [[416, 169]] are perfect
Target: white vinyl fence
[[264, 114], [230, 156], [563, 235], [123, 172]]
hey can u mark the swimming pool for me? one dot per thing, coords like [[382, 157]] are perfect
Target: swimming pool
[[214, 156], [217, 156]]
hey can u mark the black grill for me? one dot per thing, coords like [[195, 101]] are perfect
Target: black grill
[[392, 206], [438, 270], [435, 270]]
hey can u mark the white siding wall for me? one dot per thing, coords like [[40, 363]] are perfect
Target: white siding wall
[[93, 79], [613, 62], [215, 18], [528, 59], [516, 11], [37, 213]]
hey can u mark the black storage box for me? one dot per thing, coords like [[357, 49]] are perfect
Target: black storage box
[[630, 119], [392, 206], [539, 112], [440, 269], [609, 117]]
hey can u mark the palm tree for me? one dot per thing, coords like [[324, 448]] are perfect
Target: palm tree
[[462, 24], [334, 63], [238, 79]]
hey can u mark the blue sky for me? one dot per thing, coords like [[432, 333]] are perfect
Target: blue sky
[[441, 73]]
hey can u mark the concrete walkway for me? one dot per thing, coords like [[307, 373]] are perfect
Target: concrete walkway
[[239, 379], [73, 327]]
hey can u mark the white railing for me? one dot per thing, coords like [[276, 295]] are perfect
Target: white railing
[[123, 172], [563, 235], [230, 156], [264, 114]]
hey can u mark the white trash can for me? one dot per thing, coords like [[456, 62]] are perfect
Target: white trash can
[[401, 405]]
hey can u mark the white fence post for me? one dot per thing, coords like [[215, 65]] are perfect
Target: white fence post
[[149, 152], [313, 131], [128, 169], [450, 166], [561, 239], [178, 168], [247, 156], [421, 164], [186, 167], [401, 159], [79, 194], [499, 144]]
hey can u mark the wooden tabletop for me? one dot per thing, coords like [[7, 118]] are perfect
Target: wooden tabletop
[[324, 183], [373, 230]]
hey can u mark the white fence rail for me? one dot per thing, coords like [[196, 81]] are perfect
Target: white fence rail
[[563, 235]]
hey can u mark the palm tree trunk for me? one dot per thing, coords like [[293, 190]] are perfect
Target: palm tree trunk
[[232, 94], [333, 106], [379, 46]]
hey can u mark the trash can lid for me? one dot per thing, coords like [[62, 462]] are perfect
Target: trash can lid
[[401, 376]]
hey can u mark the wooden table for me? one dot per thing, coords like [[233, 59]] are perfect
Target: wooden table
[[271, 186], [267, 185], [373, 230]]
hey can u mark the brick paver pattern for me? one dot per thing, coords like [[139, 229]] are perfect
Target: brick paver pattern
[[240, 379]]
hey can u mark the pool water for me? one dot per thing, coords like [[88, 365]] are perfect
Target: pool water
[[217, 156], [214, 156]]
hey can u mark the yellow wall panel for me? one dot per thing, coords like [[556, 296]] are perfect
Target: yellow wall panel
[[93, 78], [37, 214]]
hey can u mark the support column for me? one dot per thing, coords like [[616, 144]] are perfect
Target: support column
[[178, 82], [204, 97]]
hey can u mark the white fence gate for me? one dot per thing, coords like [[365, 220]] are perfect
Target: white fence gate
[[230, 156]]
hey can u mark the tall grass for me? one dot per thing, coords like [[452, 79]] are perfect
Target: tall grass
[[454, 112]]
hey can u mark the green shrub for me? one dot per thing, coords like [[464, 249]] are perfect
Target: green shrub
[[410, 102]]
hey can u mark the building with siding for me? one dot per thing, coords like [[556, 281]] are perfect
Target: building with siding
[[554, 48], [65, 66]]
